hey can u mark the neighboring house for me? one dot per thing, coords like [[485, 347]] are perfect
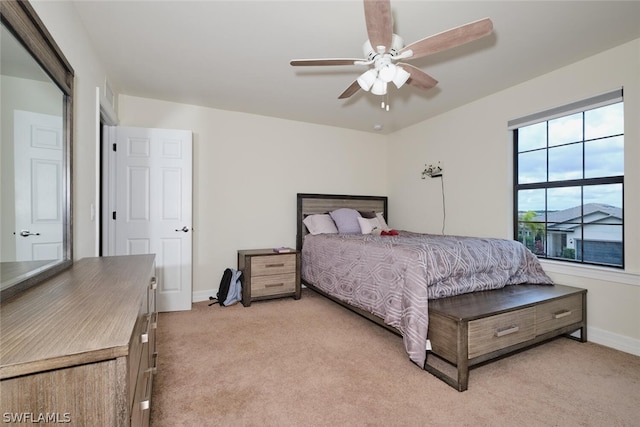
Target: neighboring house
[[597, 232]]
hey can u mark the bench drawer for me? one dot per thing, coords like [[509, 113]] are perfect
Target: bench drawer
[[558, 313], [501, 331]]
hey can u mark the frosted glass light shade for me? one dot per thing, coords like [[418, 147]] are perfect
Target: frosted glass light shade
[[379, 87], [367, 79], [387, 72], [400, 77]]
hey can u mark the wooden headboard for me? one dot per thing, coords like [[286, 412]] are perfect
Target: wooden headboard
[[323, 203]]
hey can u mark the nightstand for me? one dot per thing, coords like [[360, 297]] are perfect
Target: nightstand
[[267, 274]]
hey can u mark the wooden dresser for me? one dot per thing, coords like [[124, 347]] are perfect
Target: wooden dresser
[[471, 329], [267, 274], [79, 348]]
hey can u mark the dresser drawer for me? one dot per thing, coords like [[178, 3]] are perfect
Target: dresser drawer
[[501, 331], [273, 264], [273, 285], [558, 313]]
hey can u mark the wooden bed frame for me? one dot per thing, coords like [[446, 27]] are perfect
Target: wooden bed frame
[[469, 330]]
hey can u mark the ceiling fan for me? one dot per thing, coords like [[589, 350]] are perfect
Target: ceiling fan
[[384, 49]]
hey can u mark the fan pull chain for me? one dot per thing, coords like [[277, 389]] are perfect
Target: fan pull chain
[[385, 102]]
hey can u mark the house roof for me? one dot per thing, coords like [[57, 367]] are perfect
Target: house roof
[[566, 219]]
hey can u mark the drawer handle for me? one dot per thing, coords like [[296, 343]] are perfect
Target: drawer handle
[[274, 285], [507, 331], [274, 265], [144, 338], [154, 283], [562, 314]]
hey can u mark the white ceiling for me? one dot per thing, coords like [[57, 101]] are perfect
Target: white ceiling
[[234, 55]]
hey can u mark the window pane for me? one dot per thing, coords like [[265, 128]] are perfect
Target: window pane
[[559, 245], [604, 157], [532, 137], [565, 162], [604, 121], [608, 194], [531, 217], [531, 202], [559, 200], [532, 167], [602, 244], [565, 129]]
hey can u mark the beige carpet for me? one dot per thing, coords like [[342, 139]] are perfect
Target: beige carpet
[[313, 363]]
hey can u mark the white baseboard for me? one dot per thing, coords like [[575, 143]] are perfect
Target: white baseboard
[[595, 335], [613, 340], [198, 296]]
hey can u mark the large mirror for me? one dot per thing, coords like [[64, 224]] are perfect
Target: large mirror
[[36, 83]]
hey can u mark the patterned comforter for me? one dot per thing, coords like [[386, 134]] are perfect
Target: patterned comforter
[[393, 277]]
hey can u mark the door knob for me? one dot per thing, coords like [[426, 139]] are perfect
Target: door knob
[[27, 233], [185, 229]]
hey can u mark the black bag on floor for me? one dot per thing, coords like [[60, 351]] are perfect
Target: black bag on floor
[[230, 289], [225, 284]]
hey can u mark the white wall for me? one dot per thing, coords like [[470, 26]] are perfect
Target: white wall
[[247, 171], [475, 148]]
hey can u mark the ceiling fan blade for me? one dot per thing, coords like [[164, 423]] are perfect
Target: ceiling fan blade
[[350, 90], [328, 61], [418, 78], [377, 15], [450, 38]]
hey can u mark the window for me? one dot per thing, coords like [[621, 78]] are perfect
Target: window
[[569, 181]]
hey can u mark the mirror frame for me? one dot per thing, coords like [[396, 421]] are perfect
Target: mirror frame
[[22, 21]]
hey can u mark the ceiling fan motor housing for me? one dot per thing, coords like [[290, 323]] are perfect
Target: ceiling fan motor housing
[[396, 44]]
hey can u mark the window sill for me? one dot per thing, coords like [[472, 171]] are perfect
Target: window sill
[[591, 272]]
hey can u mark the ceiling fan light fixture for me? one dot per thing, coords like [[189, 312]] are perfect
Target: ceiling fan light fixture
[[387, 72], [367, 79], [379, 87], [401, 76]]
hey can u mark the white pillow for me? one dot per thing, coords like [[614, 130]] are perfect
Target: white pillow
[[320, 224], [381, 221], [367, 225]]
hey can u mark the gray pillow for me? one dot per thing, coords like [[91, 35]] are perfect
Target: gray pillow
[[346, 220]]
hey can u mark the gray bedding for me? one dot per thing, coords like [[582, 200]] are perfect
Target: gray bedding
[[393, 277]]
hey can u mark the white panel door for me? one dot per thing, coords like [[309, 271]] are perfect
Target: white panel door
[[153, 212], [38, 142]]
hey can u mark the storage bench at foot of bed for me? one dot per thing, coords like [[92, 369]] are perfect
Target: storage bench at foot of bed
[[471, 329]]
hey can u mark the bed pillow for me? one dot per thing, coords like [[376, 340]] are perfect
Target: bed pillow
[[367, 225], [367, 214], [320, 224], [346, 220], [381, 221]]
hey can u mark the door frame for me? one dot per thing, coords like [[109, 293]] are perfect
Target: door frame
[[108, 190]]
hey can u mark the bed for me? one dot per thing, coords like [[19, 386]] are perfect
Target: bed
[[464, 301]]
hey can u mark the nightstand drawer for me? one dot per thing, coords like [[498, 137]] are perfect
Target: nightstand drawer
[[273, 264], [558, 313], [501, 331], [273, 285]]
